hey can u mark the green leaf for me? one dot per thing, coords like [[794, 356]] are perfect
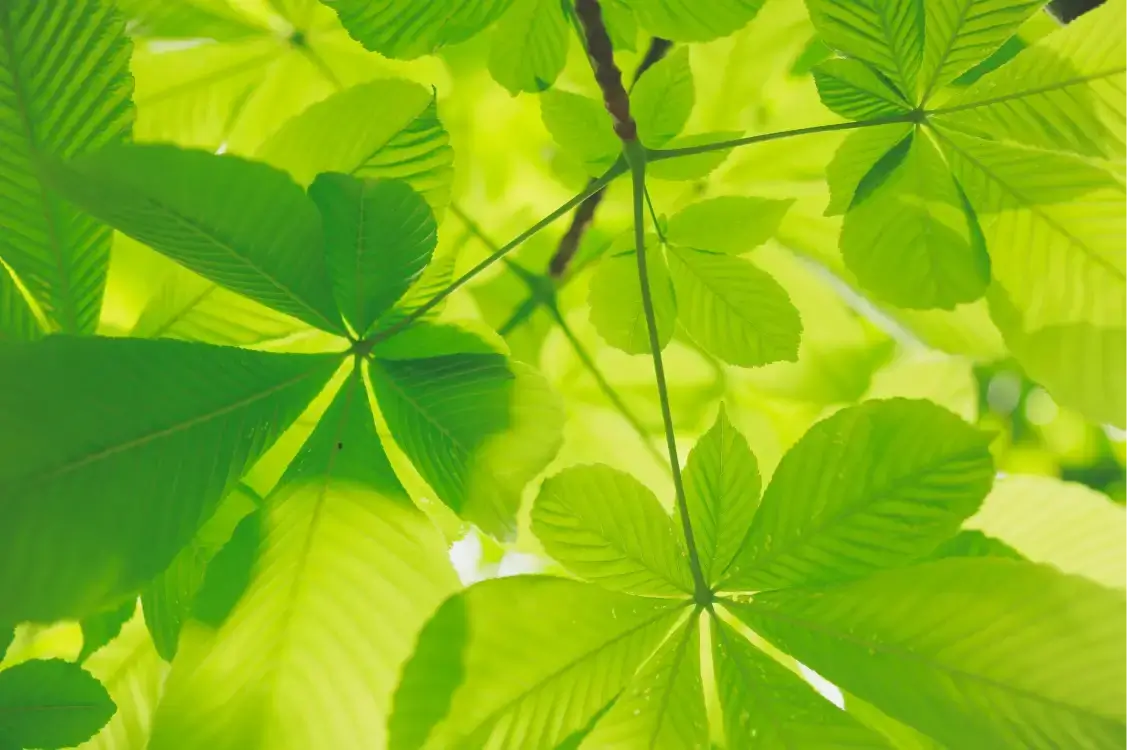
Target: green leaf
[[976, 652], [616, 301], [765, 705], [379, 236], [663, 706], [970, 543], [851, 89], [914, 241], [228, 573], [722, 492], [64, 91], [17, 320], [581, 126], [886, 34], [607, 527], [7, 635], [491, 670], [733, 309], [1067, 525], [406, 142], [344, 552], [686, 21], [475, 427], [434, 279], [960, 33], [529, 46], [694, 166], [873, 486], [727, 224], [187, 19], [866, 156], [51, 704], [406, 29], [662, 99], [169, 598], [1064, 93], [243, 225], [102, 627], [120, 466]]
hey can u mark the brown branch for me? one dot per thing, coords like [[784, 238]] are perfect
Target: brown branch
[[601, 54]]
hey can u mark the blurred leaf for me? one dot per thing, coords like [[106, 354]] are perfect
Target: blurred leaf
[[683, 21], [616, 301], [51, 703], [529, 46], [102, 627]]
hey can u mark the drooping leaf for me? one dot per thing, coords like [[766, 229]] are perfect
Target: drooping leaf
[[886, 34], [405, 142], [50, 703], [615, 298], [914, 241], [608, 528], [997, 653], [241, 224], [344, 551], [866, 156], [407, 29], [765, 705], [490, 668], [102, 627], [684, 21], [662, 100], [663, 706], [1069, 526], [960, 33], [529, 46], [875, 485], [851, 89], [722, 493], [727, 224], [379, 236], [64, 91], [581, 126], [733, 309], [104, 477]]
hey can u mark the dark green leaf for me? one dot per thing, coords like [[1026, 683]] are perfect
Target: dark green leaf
[[102, 627], [51, 704]]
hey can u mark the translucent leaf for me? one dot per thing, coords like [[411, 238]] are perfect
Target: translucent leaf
[[851, 89], [51, 703], [686, 21], [344, 552], [960, 33], [241, 224], [1067, 525], [914, 241], [727, 224], [379, 236], [765, 705], [662, 99], [406, 142], [64, 91], [187, 19], [886, 34], [855, 159], [17, 320], [529, 46], [976, 652], [616, 301], [872, 486], [490, 668], [663, 706], [607, 527], [722, 493], [408, 29], [733, 309], [694, 166], [581, 126], [105, 477]]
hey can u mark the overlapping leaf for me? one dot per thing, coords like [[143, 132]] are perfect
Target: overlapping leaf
[[407, 29], [529, 45], [51, 703]]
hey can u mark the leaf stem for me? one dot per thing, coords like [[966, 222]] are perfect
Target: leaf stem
[[610, 175], [636, 155], [673, 153]]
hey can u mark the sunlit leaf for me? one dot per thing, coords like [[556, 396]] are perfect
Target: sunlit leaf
[[410, 28], [616, 301], [727, 224], [529, 45], [662, 99], [851, 89], [683, 21]]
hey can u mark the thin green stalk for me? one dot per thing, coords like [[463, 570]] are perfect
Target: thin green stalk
[[618, 169], [672, 153], [637, 158]]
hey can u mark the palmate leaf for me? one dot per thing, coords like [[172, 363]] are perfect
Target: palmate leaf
[[408, 29], [379, 236], [872, 486], [857, 156], [203, 19], [490, 668], [529, 47], [607, 527], [242, 224], [765, 705], [686, 21], [733, 224], [17, 320], [662, 99], [64, 91], [851, 89], [114, 451], [976, 652], [50, 703], [615, 298], [348, 571], [581, 126]]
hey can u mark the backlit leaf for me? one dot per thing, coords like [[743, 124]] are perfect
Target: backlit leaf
[[727, 224], [851, 89], [410, 28], [529, 46], [51, 703], [663, 98]]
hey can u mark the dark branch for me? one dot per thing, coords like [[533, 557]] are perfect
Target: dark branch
[[601, 54]]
